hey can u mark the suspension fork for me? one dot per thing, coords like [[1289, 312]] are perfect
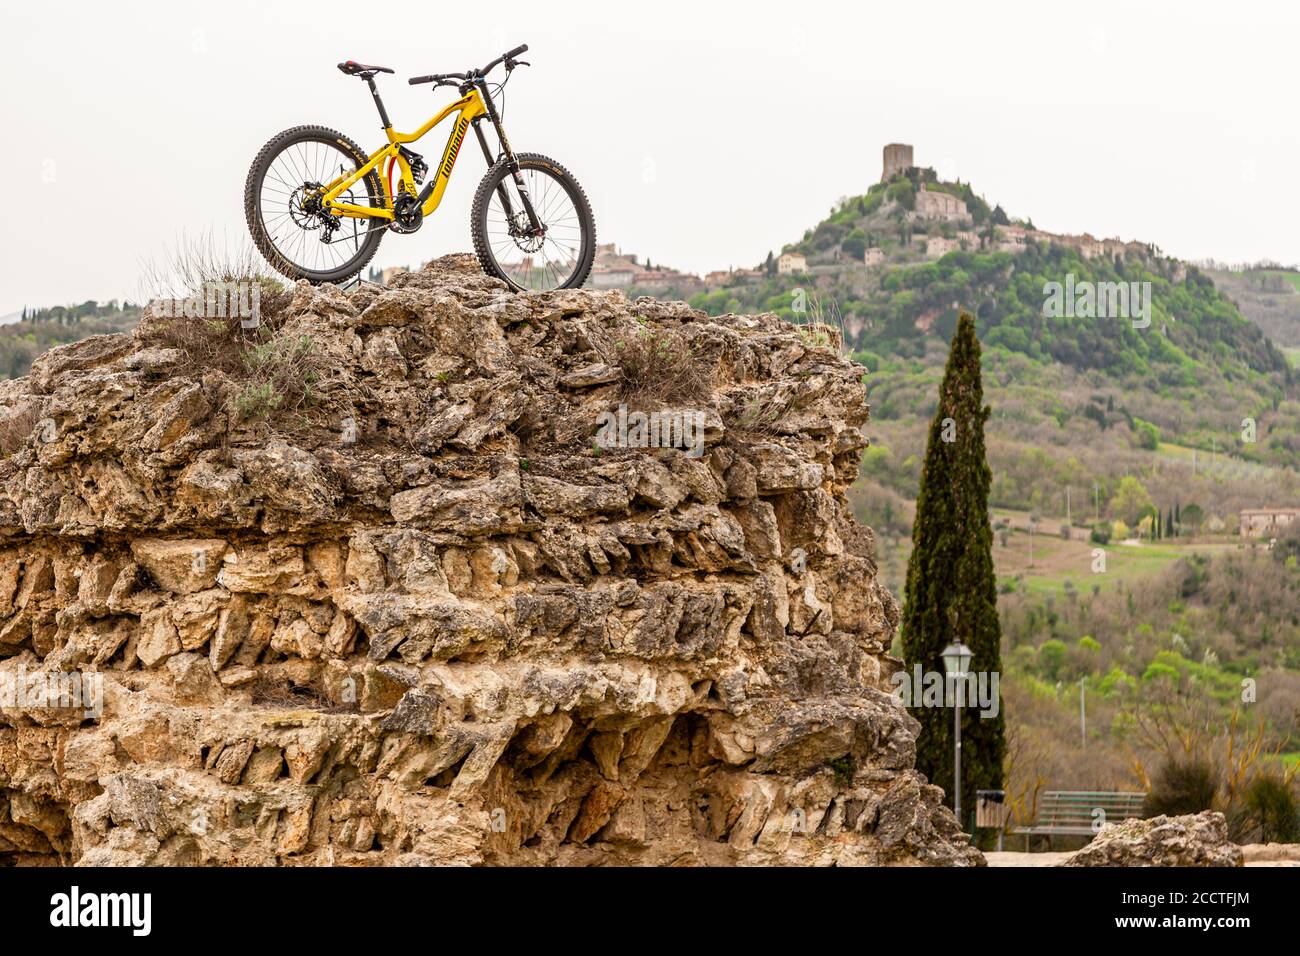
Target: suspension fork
[[511, 162]]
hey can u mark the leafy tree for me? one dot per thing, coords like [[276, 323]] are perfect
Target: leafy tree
[[855, 244], [951, 590], [1051, 657], [1148, 436], [903, 193], [1130, 501]]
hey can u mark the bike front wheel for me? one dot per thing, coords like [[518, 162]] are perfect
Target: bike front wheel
[[559, 256]]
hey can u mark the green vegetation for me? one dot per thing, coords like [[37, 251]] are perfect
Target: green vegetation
[[951, 594], [42, 329], [1119, 457], [1191, 377]]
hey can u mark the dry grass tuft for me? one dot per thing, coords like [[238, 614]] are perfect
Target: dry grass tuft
[[825, 326], [277, 372], [192, 264], [659, 365]]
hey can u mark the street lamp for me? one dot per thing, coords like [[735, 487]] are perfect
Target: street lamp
[[956, 663]]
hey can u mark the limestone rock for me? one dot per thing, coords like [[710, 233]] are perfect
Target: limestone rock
[[431, 620], [1199, 839]]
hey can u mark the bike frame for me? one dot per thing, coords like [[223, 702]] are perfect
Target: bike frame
[[470, 108]]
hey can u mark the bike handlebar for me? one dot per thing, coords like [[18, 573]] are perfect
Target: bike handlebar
[[471, 74], [435, 78]]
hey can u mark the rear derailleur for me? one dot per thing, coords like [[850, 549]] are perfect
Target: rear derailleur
[[307, 212]]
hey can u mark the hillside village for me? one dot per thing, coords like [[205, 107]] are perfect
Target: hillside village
[[938, 218]]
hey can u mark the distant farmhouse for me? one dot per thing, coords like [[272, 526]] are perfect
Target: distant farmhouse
[[790, 263], [1267, 522]]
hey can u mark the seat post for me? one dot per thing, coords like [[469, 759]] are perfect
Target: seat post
[[374, 91]]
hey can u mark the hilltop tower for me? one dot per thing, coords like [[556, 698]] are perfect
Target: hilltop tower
[[898, 159]]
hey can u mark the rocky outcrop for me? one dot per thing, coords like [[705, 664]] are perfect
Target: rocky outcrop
[[425, 617], [1199, 839]]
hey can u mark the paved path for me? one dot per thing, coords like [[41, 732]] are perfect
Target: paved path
[[1254, 857]]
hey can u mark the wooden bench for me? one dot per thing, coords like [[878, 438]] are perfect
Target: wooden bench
[[1074, 812]]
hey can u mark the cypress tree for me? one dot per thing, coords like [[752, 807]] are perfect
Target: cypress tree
[[951, 591]]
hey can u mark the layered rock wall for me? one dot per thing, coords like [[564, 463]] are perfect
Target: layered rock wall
[[427, 618]]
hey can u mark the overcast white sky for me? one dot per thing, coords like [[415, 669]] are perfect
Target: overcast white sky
[[705, 133]]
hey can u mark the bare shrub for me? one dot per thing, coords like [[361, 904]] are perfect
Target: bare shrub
[[756, 418], [660, 365], [1183, 786], [270, 691], [191, 269], [1267, 812]]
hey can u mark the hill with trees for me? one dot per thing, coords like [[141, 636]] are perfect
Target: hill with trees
[[1137, 443], [39, 329]]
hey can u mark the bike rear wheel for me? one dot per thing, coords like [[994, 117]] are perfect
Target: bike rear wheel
[[299, 239], [559, 258]]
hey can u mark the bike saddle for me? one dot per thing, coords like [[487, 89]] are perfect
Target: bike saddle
[[353, 68]]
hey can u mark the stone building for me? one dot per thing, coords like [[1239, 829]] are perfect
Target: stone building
[[611, 277], [874, 256], [1266, 522], [1011, 238], [614, 269], [790, 263], [939, 246], [898, 159], [938, 205]]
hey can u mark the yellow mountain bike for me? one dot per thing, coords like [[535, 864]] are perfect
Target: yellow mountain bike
[[318, 206]]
